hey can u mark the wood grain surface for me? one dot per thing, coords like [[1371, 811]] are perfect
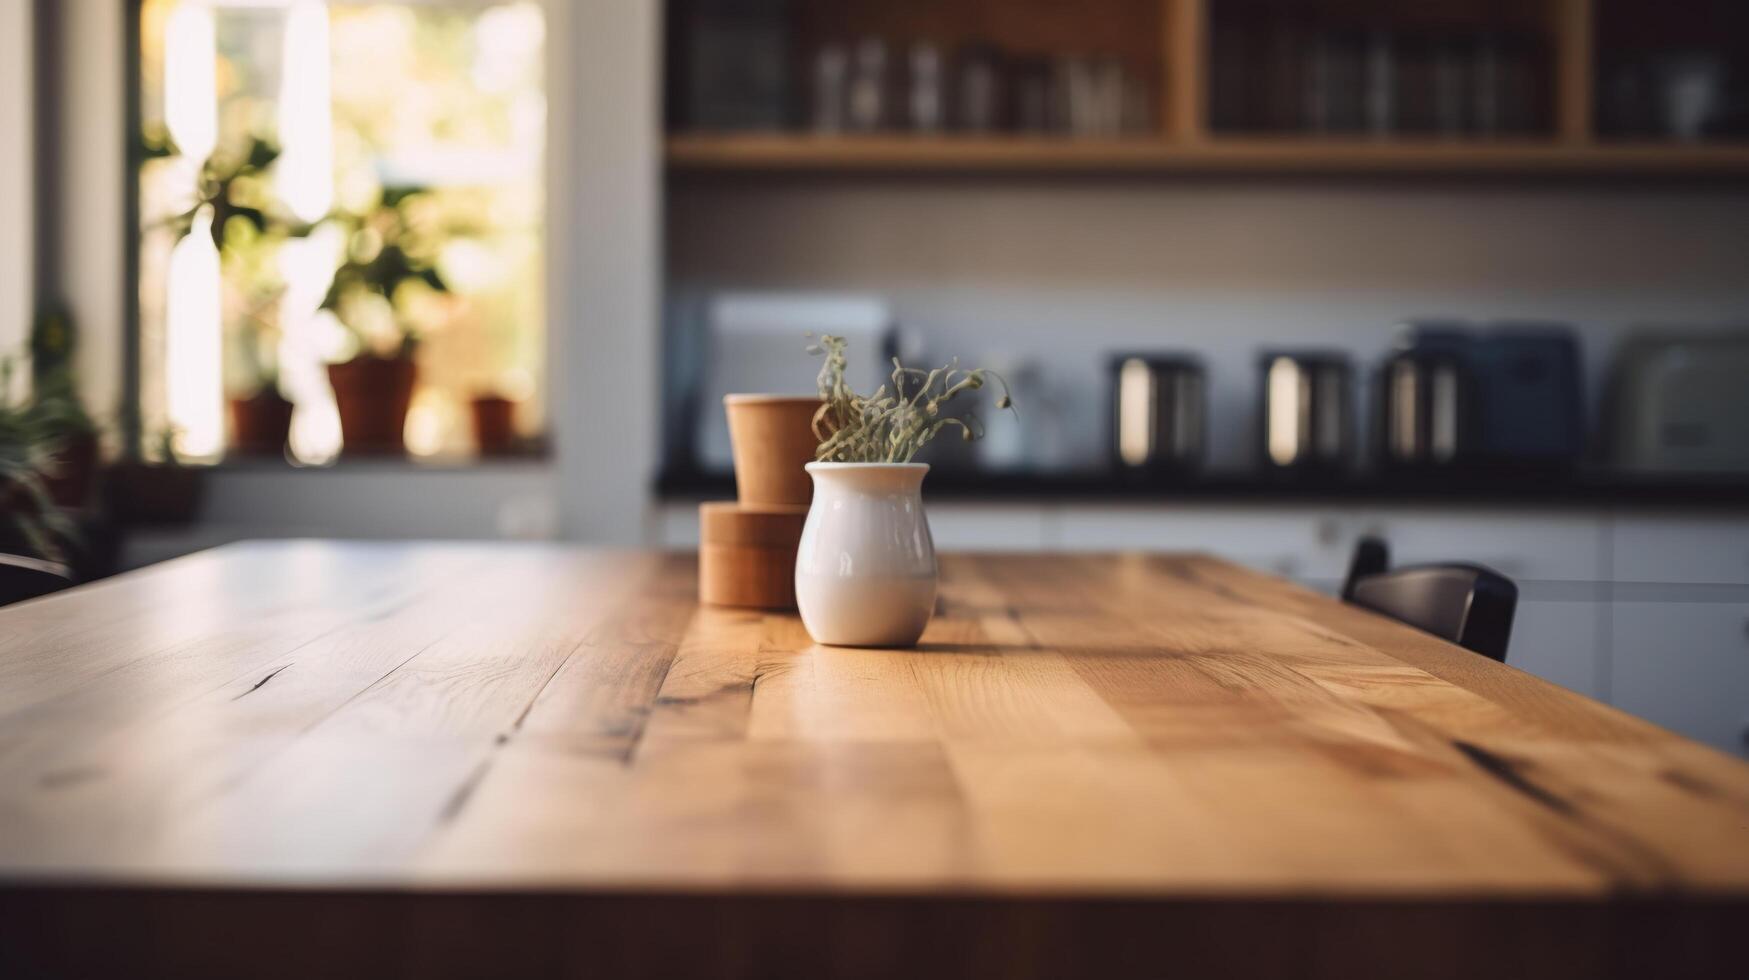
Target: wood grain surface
[[444, 758]]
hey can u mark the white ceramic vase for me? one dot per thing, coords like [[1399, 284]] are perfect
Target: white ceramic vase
[[865, 573]]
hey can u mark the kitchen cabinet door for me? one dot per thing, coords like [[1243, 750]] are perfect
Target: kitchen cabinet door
[[1296, 542], [982, 527], [1680, 549], [673, 526], [1684, 665], [1562, 639], [1521, 545]]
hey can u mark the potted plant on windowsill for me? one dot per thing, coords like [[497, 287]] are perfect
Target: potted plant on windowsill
[[390, 260], [28, 449], [501, 384], [865, 571], [494, 424], [248, 226], [260, 416], [261, 422], [57, 410]]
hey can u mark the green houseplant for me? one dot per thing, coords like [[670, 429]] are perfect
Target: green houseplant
[[56, 408], [260, 415], [29, 444], [391, 255], [247, 228]]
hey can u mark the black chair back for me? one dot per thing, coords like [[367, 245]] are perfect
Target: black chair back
[[1469, 605], [26, 578], [1371, 557]]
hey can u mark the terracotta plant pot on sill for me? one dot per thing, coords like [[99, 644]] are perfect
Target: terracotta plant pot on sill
[[494, 425], [260, 424], [372, 394], [75, 471]]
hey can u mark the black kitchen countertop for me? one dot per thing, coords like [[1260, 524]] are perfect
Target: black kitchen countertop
[[1587, 488]]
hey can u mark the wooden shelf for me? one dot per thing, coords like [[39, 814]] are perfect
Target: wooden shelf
[[911, 154], [1170, 40]]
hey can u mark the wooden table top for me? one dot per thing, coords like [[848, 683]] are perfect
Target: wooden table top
[[498, 719]]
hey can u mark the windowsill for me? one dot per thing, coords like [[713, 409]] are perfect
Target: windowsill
[[383, 464], [514, 498]]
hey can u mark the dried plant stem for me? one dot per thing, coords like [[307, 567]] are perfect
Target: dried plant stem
[[891, 425]]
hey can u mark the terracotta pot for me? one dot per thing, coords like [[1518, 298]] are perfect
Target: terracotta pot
[[372, 394], [747, 555], [75, 472], [494, 425], [773, 439], [260, 425]]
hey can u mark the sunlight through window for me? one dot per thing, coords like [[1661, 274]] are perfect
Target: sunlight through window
[[342, 234]]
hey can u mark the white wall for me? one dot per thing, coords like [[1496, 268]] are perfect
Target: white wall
[[16, 92], [1062, 271], [605, 112], [90, 175]]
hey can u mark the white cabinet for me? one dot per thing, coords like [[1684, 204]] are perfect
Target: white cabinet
[[988, 527], [1560, 638], [1297, 542], [1680, 549], [1315, 544], [1521, 545], [1684, 665], [673, 525]]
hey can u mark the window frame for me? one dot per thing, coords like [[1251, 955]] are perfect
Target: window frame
[[130, 422]]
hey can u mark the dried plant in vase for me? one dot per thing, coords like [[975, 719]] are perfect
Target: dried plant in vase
[[890, 426], [865, 572]]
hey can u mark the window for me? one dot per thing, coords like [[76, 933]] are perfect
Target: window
[[341, 206]]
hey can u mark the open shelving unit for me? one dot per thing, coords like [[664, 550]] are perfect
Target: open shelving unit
[[1176, 35], [1023, 154]]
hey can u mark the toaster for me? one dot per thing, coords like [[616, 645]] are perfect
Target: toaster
[[1425, 396], [1529, 396], [1679, 403], [1304, 415], [1159, 413], [1507, 398]]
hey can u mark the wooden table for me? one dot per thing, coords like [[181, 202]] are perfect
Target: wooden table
[[468, 760]]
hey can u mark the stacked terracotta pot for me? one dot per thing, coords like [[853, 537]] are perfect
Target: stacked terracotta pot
[[747, 548]]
